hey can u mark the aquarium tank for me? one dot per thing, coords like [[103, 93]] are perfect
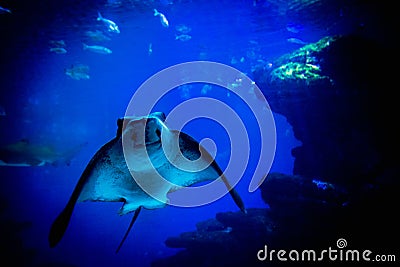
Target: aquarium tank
[[198, 133]]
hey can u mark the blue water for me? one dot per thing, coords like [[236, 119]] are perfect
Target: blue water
[[45, 106]]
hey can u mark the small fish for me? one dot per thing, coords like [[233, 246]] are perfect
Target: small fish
[[293, 28], [97, 49], [77, 75], [163, 18], [183, 37], [80, 68], [235, 61], [183, 28], [4, 10], [57, 43], [111, 25], [58, 50], [24, 154], [78, 72], [205, 89], [236, 84], [185, 91], [296, 41], [150, 49], [97, 36]]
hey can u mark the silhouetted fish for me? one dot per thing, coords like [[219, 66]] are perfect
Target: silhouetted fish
[[23, 154]]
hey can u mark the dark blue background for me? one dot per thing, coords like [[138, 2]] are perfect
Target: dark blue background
[[46, 106]]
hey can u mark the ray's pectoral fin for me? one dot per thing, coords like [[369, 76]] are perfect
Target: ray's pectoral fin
[[192, 149], [137, 211], [60, 225]]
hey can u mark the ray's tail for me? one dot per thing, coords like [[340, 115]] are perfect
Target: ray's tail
[[234, 194], [238, 200], [137, 211]]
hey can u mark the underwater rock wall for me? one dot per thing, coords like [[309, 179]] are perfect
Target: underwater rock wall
[[333, 94], [342, 109], [302, 213], [223, 241]]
